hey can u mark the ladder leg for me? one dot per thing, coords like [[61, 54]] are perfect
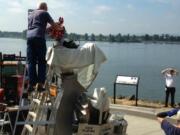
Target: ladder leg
[[20, 101], [2, 126], [37, 113], [24, 131], [10, 122]]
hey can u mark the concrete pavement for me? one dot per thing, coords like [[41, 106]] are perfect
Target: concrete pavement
[[142, 126], [141, 121]]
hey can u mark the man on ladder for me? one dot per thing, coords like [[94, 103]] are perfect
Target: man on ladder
[[36, 51], [36, 46]]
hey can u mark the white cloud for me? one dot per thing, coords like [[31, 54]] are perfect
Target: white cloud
[[15, 7], [160, 1], [166, 1], [57, 4], [121, 20], [15, 10], [130, 6], [102, 9], [80, 14], [97, 22], [15, 4]]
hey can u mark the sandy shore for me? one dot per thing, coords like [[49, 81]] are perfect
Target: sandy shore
[[141, 103]]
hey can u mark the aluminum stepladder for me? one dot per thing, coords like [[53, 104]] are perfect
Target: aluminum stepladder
[[5, 121], [37, 114], [37, 111]]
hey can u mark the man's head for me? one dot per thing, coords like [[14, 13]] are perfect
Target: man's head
[[42, 6]]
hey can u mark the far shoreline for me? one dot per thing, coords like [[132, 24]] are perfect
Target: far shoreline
[[142, 42]]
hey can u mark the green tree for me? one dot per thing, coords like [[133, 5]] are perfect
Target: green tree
[[156, 37], [74, 36], [167, 37], [86, 37], [119, 38], [92, 37], [126, 38], [24, 34], [111, 38], [146, 37], [100, 37]]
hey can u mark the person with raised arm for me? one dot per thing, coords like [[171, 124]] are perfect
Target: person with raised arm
[[36, 46]]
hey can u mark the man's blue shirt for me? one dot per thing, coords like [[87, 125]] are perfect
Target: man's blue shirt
[[37, 22], [169, 129]]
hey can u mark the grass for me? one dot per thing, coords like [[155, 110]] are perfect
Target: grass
[[141, 103]]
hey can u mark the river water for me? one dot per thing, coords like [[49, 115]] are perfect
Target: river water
[[132, 59]]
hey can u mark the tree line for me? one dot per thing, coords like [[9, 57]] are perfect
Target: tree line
[[105, 38], [8, 34]]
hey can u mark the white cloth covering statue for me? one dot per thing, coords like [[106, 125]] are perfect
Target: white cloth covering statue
[[84, 62]]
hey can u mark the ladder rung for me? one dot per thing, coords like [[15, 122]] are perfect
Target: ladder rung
[[27, 107], [42, 122], [4, 122], [37, 101], [29, 128], [33, 114]]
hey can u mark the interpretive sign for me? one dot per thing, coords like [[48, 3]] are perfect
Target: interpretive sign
[[126, 80]]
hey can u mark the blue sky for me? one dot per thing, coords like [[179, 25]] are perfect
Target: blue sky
[[99, 16]]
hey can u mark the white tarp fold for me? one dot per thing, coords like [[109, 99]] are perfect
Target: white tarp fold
[[85, 61]]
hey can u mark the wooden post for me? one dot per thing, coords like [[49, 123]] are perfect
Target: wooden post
[[115, 93]]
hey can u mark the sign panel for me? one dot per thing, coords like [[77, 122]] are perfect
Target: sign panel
[[127, 80]]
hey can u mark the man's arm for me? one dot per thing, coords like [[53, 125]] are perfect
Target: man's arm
[[165, 125], [173, 112], [51, 22], [160, 116], [167, 113]]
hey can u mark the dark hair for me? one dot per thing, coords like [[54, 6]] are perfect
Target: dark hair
[[42, 6]]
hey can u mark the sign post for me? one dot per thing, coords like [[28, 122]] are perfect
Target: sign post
[[126, 80]]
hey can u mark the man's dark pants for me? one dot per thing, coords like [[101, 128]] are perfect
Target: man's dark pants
[[170, 90], [36, 52]]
